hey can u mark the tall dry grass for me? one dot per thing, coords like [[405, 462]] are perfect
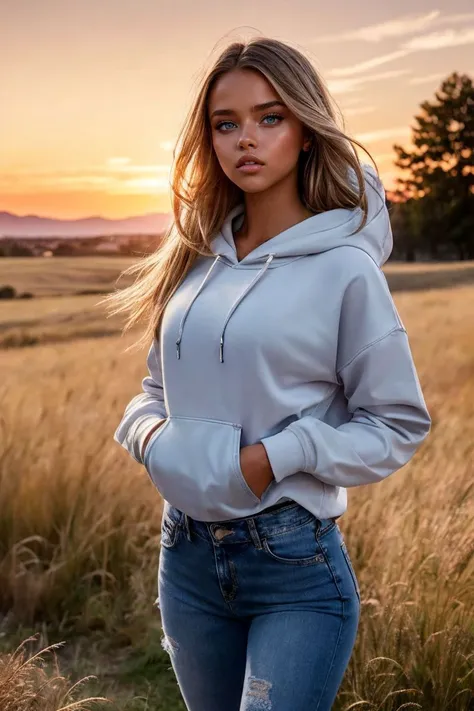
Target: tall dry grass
[[25, 684], [79, 529]]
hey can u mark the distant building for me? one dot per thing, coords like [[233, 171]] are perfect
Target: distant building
[[107, 247]]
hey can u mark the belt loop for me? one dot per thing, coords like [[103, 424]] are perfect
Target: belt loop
[[254, 534], [187, 527]]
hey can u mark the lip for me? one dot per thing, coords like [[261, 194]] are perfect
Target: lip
[[246, 157], [250, 168]]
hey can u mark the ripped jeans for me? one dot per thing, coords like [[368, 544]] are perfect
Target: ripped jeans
[[258, 613]]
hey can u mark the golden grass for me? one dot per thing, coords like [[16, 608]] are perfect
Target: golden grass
[[430, 267], [25, 685], [79, 530], [59, 276], [48, 309], [58, 313], [67, 276], [52, 319]]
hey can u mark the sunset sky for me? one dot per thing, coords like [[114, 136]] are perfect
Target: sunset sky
[[93, 92]]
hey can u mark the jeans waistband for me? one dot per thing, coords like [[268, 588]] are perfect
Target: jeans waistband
[[281, 517]]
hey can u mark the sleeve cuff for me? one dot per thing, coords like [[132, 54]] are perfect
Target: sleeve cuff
[[136, 435], [285, 453]]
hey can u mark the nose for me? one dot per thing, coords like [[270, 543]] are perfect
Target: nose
[[246, 139]]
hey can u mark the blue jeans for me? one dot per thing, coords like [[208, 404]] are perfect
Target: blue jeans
[[258, 613]]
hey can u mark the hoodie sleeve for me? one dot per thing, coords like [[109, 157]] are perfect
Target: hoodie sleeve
[[375, 367], [145, 410]]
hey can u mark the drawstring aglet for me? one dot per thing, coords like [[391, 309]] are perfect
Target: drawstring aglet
[[178, 348], [221, 350]]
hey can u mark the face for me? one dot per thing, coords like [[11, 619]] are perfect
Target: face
[[273, 134]]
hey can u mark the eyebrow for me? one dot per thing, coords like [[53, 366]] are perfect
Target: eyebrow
[[257, 107]]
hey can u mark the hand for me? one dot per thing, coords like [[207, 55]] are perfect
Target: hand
[[155, 427], [256, 468]]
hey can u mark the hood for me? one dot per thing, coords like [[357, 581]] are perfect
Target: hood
[[318, 233], [327, 230]]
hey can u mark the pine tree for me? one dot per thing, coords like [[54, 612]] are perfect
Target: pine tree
[[439, 188]]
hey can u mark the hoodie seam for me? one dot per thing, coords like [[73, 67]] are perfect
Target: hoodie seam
[[301, 443], [385, 237], [364, 251], [317, 411], [255, 266], [369, 345]]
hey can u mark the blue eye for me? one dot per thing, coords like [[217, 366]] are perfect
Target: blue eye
[[222, 123], [275, 116]]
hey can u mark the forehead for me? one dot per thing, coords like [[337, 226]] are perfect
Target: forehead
[[240, 89]]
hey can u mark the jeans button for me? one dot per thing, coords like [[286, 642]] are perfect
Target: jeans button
[[220, 533]]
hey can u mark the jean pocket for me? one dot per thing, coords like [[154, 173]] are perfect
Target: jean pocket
[[195, 465], [299, 546], [347, 558], [170, 526]]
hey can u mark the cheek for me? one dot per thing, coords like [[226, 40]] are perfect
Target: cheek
[[225, 157], [284, 147], [223, 149]]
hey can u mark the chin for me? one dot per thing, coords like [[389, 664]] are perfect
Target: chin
[[255, 189], [251, 184]]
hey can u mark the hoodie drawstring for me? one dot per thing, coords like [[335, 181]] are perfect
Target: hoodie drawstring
[[185, 315], [231, 311], [238, 300]]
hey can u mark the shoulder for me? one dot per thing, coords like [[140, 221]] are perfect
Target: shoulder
[[353, 264], [357, 259], [365, 291]]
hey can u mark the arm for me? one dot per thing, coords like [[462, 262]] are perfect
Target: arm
[[389, 415], [145, 411]]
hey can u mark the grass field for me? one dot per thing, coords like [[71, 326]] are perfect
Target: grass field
[[79, 529], [62, 276], [65, 309]]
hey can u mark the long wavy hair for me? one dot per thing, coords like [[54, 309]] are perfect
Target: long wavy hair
[[202, 195]]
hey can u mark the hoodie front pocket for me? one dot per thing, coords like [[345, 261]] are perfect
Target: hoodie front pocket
[[195, 465]]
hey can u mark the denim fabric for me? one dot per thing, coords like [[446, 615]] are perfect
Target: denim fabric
[[258, 613]]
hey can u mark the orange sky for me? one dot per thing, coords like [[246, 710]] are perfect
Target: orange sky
[[95, 93]]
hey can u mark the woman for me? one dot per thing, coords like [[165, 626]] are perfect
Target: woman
[[280, 374]]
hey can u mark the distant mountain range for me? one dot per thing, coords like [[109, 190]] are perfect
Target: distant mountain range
[[33, 226]]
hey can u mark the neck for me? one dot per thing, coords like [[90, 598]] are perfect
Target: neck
[[267, 214]]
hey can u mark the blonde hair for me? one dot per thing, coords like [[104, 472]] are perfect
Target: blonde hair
[[202, 195]]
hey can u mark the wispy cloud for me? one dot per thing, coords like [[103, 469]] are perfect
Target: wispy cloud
[[454, 19], [400, 27], [119, 161], [383, 134], [368, 64], [357, 111], [441, 40], [397, 27], [342, 86], [427, 78], [118, 175]]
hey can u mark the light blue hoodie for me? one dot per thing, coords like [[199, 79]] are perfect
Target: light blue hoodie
[[298, 346]]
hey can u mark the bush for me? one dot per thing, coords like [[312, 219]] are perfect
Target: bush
[[7, 292]]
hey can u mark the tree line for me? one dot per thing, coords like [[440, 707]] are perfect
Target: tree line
[[432, 207]]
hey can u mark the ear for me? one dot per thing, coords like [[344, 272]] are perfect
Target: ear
[[308, 142]]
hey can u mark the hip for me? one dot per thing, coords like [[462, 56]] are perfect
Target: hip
[[283, 555]]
